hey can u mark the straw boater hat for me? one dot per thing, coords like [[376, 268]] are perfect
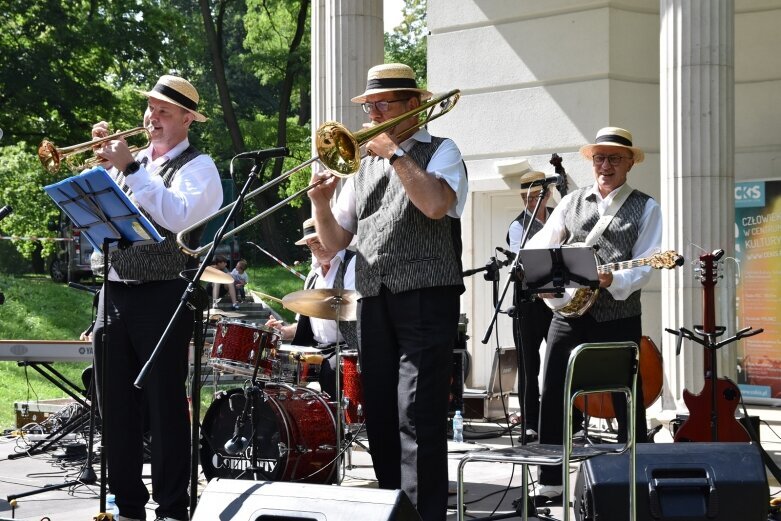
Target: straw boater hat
[[309, 232], [614, 137], [178, 91], [390, 77], [528, 179]]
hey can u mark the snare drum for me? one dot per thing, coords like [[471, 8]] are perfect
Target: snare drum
[[352, 390], [238, 346]]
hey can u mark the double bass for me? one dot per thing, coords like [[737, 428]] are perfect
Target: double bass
[[712, 410]]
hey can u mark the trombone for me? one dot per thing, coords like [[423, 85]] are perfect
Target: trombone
[[52, 157], [338, 149]]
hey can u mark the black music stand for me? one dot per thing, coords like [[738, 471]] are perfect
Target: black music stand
[[105, 215]]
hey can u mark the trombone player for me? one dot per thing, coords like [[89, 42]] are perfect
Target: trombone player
[[404, 205], [175, 185]]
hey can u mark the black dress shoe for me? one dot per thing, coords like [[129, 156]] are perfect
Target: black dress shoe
[[548, 495]]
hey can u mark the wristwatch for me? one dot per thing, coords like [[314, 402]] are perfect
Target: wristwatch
[[131, 169], [397, 154]]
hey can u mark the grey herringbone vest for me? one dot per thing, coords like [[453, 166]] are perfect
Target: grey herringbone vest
[[164, 260], [614, 245], [398, 246]]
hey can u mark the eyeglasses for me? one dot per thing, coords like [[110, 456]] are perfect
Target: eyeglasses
[[598, 159], [382, 106]]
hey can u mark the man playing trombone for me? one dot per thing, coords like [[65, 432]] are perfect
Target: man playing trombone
[[175, 185], [404, 205]]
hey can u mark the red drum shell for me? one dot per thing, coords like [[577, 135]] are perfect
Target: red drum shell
[[237, 346]]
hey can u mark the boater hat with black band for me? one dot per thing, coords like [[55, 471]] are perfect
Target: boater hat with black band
[[178, 91], [309, 232], [390, 77], [613, 137]]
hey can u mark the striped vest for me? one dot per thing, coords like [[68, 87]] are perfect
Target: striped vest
[[160, 261], [398, 246], [614, 245]]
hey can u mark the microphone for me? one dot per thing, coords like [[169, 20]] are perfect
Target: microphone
[[1, 133], [5, 211], [553, 179], [507, 253], [261, 155]]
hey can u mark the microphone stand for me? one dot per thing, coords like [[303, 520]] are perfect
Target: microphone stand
[[516, 274], [186, 301]]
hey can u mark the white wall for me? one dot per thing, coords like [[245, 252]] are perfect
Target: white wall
[[543, 77], [539, 78]]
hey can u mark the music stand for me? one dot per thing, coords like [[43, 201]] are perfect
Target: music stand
[[555, 269], [107, 217]]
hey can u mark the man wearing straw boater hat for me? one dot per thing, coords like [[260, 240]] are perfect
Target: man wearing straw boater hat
[[531, 317], [330, 270], [404, 205], [175, 186], [625, 224]]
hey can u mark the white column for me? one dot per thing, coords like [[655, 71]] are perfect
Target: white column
[[347, 39], [697, 161]]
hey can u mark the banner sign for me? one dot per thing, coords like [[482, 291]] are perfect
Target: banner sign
[[758, 250]]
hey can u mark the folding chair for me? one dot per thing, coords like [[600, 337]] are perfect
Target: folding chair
[[592, 368]]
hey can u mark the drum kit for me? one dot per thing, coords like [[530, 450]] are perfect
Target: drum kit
[[279, 427]]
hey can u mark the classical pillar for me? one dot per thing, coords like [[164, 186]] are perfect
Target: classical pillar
[[697, 162], [347, 39]]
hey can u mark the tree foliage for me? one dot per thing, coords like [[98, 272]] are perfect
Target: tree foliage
[[407, 42], [66, 65]]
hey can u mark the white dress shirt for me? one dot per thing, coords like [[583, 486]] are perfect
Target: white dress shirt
[[326, 331], [446, 163]]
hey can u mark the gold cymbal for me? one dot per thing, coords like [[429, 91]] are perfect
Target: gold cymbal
[[214, 275], [324, 303]]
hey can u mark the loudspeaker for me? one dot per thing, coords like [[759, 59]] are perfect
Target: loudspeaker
[[242, 500], [676, 482]]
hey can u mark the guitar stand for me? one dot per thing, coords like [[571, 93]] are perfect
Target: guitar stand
[[709, 343]]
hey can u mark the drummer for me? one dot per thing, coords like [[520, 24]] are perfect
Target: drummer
[[330, 270]]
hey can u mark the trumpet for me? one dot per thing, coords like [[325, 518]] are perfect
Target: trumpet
[[338, 149], [52, 157]]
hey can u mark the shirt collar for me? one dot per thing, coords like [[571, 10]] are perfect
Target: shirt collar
[[334, 262], [174, 152], [595, 194]]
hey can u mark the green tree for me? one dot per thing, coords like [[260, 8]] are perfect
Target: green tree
[[407, 43]]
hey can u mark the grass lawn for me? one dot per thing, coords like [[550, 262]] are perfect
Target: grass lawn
[[38, 309]]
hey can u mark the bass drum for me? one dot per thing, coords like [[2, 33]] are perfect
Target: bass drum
[[294, 436]]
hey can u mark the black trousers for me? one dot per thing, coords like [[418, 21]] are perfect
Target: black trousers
[[406, 343], [137, 317], [530, 327], [565, 335]]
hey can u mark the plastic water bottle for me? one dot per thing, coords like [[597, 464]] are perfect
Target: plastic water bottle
[[458, 427], [111, 506]]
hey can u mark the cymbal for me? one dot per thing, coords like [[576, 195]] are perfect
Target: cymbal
[[214, 275], [324, 303]]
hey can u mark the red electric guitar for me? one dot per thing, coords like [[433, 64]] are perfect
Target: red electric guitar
[[712, 411]]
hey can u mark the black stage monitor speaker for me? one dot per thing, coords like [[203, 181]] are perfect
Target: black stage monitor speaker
[[676, 482], [242, 500]]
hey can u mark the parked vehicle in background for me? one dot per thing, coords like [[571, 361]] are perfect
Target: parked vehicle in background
[[71, 262]]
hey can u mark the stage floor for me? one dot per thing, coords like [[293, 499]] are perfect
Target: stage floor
[[489, 486]]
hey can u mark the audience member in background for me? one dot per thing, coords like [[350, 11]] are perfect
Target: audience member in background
[[219, 290], [240, 279]]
